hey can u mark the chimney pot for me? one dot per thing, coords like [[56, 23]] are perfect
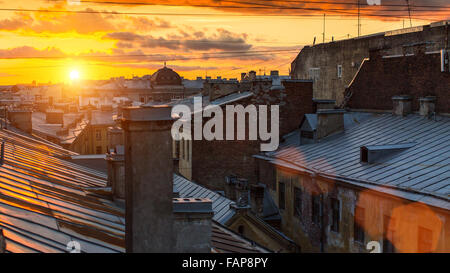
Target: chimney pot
[[21, 119], [192, 225], [427, 106], [54, 116], [402, 105]]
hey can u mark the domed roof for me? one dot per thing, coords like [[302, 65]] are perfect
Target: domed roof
[[165, 76]]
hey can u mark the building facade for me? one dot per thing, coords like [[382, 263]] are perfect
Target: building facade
[[333, 65]]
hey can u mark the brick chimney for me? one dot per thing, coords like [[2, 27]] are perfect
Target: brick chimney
[[401, 105], [54, 116], [329, 121], [115, 159], [149, 179], [427, 106], [257, 199], [252, 75], [21, 119], [192, 225], [242, 193], [319, 104]]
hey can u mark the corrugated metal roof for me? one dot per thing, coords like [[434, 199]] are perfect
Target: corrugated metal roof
[[46, 202], [422, 169], [221, 205]]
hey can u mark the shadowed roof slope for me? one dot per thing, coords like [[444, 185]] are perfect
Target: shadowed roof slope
[[47, 202]]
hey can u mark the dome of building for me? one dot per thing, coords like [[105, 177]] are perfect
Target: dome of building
[[165, 76]]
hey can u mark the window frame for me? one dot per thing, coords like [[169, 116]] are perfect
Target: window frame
[[335, 214], [297, 204]]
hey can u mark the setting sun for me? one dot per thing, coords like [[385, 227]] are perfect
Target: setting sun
[[74, 75]]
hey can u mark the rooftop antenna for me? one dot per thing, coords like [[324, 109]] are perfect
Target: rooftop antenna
[[409, 13], [359, 18], [164, 63], [324, 28], [314, 42]]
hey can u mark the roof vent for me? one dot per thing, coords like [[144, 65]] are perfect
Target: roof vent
[[375, 153], [402, 105], [427, 106]]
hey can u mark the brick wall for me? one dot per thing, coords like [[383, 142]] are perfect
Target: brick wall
[[382, 78], [350, 53], [212, 161]]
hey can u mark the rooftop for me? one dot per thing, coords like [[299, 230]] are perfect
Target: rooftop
[[419, 173], [46, 202]]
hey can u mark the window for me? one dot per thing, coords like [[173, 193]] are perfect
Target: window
[[425, 240], [335, 214], [98, 134], [389, 233], [358, 226], [307, 134], [339, 71], [297, 201], [98, 149], [142, 99], [241, 229], [314, 73], [316, 212], [281, 195]]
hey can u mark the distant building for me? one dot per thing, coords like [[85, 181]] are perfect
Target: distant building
[[332, 66], [210, 162], [162, 86]]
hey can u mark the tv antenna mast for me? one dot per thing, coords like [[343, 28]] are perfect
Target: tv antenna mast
[[409, 13], [359, 18]]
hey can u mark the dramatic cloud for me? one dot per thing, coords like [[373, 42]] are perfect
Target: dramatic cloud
[[31, 52], [222, 39], [391, 8], [145, 24]]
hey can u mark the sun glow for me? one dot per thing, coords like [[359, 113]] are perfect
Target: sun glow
[[74, 75]]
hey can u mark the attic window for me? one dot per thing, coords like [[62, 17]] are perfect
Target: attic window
[[307, 134], [376, 153]]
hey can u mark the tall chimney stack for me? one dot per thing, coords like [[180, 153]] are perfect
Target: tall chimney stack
[[329, 121], [149, 179], [115, 159]]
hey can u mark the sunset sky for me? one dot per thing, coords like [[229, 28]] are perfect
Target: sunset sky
[[103, 40]]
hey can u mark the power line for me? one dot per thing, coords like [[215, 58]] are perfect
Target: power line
[[341, 13], [162, 56], [257, 2]]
